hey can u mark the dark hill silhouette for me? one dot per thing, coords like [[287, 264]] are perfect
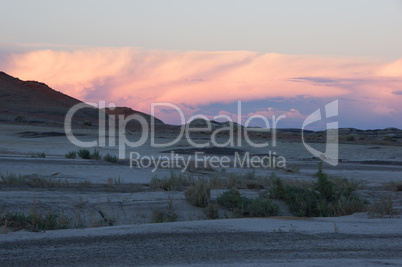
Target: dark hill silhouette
[[125, 111], [35, 102], [31, 101]]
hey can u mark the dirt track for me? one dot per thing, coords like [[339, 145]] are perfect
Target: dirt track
[[206, 248]]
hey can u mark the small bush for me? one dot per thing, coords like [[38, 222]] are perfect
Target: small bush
[[96, 155], [250, 175], [87, 123], [32, 222], [71, 155], [393, 186], [162, 215], [230, 199], [110, 158], [113, 182], [322, 199], [84, 153], [294, 169], [212, 211], [262, 207], [350, 138], [242, 207], [381, 209], [199, 194], [39, 155], [19, 118]]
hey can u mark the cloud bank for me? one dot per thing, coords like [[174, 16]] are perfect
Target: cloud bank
[[135, 77]]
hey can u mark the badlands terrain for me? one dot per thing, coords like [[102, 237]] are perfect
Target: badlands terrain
[[110, 207], [57, 209]]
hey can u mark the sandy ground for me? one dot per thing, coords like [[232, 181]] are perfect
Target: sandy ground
[[353, 239], [245, 242]]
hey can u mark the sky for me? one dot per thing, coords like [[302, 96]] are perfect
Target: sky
[[275, 57]]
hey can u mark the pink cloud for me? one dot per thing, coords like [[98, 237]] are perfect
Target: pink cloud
[[270, 114], [136, 78]]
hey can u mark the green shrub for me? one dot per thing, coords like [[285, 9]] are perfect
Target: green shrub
[[110, 158], [71, 155], [324, 198], [199, 194], [96, 155], [325, 187], [242, 207], [231, 199], [350, 138], [262, 207], [84, 153], [33, 222]]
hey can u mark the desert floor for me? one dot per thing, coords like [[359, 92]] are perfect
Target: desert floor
[[121, 196]]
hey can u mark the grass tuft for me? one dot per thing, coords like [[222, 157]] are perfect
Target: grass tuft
[[84, 153], [199, 193], [33, 180], [164, 215], [96, 155], [382, 208], [39, 155], [110, 158], [71, 155], [212, 211]]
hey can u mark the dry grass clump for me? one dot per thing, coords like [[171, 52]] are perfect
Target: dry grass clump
[[393, 186], [174, 182], [382, 208], [212, 211], [199, 193], [110, 158], [238, 180], [36, 220], [216, 181], [86, 154], [33, 180], [164, 215], [112, 183], [96, 155]]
